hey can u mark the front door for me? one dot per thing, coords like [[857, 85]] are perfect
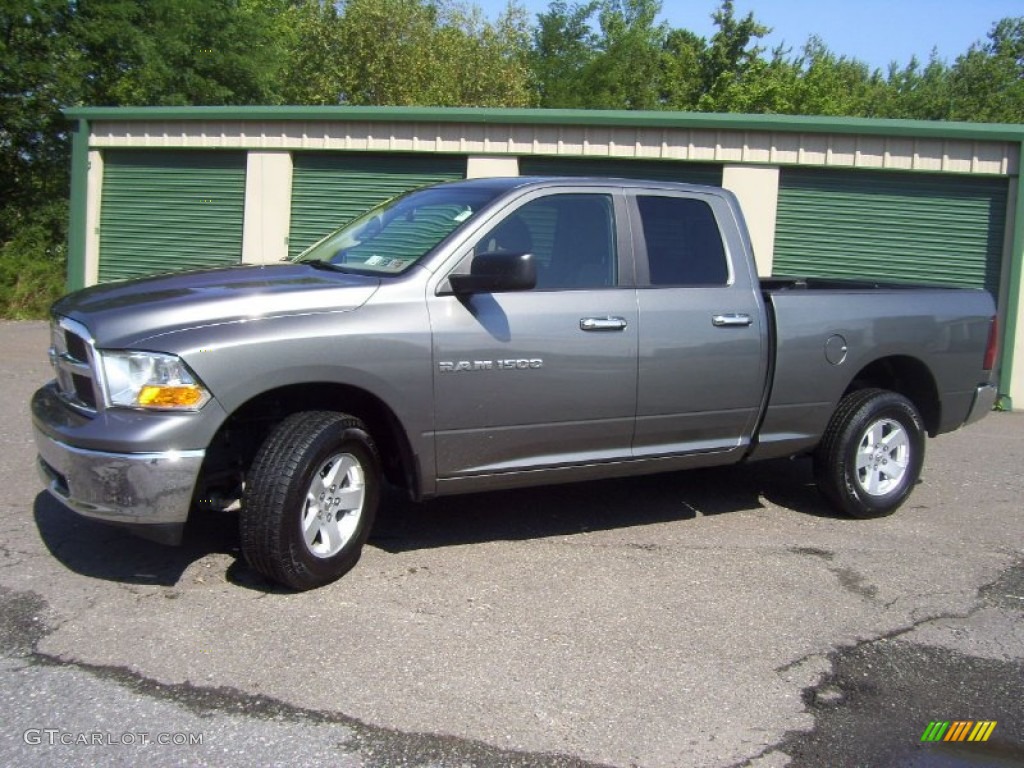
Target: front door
[[547, 377]]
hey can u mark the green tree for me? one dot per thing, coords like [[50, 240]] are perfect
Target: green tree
[[564, 45], [35, 56], [729, 56], [625, 73], [178, 52], [987, 82], [681, 79], [413, 52], [914, 92], [310, 31]]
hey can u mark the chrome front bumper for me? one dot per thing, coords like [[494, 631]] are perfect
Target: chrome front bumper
[[984, 401], [141, 490]]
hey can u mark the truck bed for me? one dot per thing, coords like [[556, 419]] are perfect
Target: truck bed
[[829, 335]]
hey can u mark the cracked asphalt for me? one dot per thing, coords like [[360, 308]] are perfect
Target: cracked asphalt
[[713, 618]]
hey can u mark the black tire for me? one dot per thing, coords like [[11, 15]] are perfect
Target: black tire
[[294, 462], [871, 454]]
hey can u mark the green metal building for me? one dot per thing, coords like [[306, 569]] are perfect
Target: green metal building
[[164, 188]]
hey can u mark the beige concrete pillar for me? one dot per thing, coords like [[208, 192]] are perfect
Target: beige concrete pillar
[[93, 197], [488, 166], [757, 187], [268, 207]]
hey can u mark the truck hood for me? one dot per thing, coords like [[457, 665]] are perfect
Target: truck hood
[[127, 313]]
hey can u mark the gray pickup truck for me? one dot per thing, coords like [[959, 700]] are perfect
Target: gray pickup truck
[[490, 334]]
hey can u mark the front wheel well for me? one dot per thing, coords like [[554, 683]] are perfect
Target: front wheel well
[[909, 377], [233, 448]]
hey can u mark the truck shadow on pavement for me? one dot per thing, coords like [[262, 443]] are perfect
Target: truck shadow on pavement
[[105, 552], [572, 508]]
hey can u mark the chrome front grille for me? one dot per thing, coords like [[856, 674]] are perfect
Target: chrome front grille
[[73, 358]]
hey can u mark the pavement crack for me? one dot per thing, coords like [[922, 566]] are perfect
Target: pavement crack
[[27, 621]]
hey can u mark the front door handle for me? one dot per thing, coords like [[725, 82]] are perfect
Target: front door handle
[[732, 320], [603, 324]]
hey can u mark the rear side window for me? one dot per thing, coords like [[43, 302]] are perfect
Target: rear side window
[[684, 245]]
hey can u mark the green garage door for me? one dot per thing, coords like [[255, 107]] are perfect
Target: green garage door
[[329, 190], [162, 211], [653, 170], [891, 226]]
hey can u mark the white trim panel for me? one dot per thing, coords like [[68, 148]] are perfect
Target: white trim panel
[[834, 150]]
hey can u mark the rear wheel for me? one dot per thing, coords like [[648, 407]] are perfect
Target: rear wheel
[[310, 499], [871, 454]]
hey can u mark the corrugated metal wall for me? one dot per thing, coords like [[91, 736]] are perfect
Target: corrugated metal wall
[[168, 210], [891, 226], [330, 189]]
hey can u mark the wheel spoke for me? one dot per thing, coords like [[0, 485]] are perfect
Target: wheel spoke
[[334, 469], [873, 482], [891, 472], [863, 461], [872, 436], [350, 498], [311, 524], [331, 538], [895, 440]]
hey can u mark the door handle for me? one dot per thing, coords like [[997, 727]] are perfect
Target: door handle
[[732, 320], [603, 324]]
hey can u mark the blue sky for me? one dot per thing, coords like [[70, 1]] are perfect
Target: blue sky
[[874, 31]]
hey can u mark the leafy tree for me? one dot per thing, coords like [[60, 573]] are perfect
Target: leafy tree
[[34, 82], [915, 92], [34, 58], [178, 52], [314, 56], [730, 55], [564, 45], [682, 80], [412, 52], [987, 82], [624, 74]]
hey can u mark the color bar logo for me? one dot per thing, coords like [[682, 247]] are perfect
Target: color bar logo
[[958, 730]]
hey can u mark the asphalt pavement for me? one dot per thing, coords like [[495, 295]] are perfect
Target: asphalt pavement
[[711, 619]]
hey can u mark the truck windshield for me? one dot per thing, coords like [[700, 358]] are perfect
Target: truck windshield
[[396, 234]]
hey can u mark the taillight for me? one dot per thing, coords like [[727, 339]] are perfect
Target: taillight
[[993, 345]]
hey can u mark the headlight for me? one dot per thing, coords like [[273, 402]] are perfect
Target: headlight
[[151, 380]]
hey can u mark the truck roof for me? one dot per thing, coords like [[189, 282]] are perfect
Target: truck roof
[[505, 183]]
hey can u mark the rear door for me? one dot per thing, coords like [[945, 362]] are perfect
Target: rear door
[[542, 378], [702, 342]]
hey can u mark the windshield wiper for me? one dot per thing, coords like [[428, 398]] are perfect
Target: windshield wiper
[[328, 265]]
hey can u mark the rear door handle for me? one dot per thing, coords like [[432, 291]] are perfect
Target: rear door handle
[[733, 320], [603, 324]]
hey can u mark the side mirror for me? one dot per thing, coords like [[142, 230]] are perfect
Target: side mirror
[[497, 273]]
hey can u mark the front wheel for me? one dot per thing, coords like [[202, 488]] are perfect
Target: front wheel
[[871, 454], [310, 499]]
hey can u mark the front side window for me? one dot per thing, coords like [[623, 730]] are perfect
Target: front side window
[[571, 238], [684, 245], [395, 235]]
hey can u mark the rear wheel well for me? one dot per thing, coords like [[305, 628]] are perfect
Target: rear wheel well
[[909, 377], [233, 448]]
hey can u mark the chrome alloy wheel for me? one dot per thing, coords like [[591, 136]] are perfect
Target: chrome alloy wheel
[[882, 457], [334, 504]]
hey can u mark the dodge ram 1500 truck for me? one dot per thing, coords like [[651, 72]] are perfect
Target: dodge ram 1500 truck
[[489, 334]]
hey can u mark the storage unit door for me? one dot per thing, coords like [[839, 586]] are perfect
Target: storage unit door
[[331, 189], [880, 225], [653, 170], [168, 210]]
